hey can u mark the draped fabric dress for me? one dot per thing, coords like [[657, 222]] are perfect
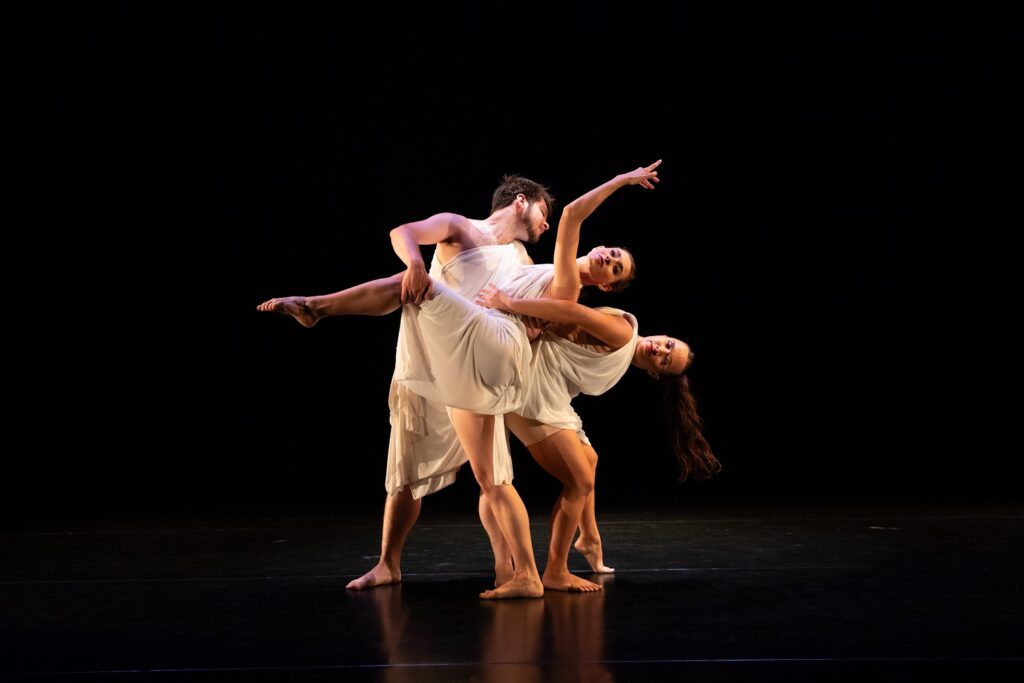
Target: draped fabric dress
[[452, 353], [561, 369]]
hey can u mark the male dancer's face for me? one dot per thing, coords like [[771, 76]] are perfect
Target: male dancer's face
[[536, 220]]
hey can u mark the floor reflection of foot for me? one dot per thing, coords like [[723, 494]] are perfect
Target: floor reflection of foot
[[515, 633], [392, 615], [576, 627]]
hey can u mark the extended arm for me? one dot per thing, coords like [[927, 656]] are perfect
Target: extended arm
[[406, 240], [613, 330], [566, 281]]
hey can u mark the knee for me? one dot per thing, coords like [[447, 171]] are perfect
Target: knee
[[485, 483], [502, 492], [580, 486], [587, 485], [393, 285]]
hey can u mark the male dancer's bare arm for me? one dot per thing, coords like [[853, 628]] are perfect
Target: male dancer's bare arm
[[406, 240]]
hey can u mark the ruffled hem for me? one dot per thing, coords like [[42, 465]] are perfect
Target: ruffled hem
[[408, 410], [423, 487]]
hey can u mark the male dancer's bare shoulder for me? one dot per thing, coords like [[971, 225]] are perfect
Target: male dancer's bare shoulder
[[466, 234]]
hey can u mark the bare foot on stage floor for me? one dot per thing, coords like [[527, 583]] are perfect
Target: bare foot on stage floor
[[569, 582], [594, 557], [378, 576], [516, 588], [295, 306]]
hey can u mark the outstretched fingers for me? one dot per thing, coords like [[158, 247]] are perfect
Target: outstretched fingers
[[645, 176], [651, 175]]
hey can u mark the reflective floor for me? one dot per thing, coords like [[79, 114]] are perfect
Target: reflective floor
[[853, 592]]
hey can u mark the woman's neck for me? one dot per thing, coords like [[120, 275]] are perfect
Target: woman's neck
[[583, 267]]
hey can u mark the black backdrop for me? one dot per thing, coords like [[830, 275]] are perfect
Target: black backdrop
[[827, 235]]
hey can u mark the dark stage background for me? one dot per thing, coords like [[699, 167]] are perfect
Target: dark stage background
[[827, 235]]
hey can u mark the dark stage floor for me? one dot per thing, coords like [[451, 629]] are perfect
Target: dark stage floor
[[759, 592]]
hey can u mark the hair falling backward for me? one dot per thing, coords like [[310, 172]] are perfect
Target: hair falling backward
[[696, 461]]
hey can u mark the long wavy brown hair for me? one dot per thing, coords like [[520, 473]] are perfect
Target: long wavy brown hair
[[686, 429]]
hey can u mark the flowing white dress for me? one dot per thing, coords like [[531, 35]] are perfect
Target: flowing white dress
[[452, 353], [561, 369]]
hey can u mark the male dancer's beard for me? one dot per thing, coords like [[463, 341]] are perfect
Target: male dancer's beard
[[532, 233]]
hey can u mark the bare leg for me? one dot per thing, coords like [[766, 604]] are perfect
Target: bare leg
[[400, 514], [476, 434], [376, 297], [503, 567], [589, 542], [562, 456]]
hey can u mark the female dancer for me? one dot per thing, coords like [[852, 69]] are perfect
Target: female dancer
[[587, 351]]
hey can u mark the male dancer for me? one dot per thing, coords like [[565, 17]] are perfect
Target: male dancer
[[469, 254]]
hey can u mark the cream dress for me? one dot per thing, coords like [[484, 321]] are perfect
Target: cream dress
[[452, 353], [561, 369]]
